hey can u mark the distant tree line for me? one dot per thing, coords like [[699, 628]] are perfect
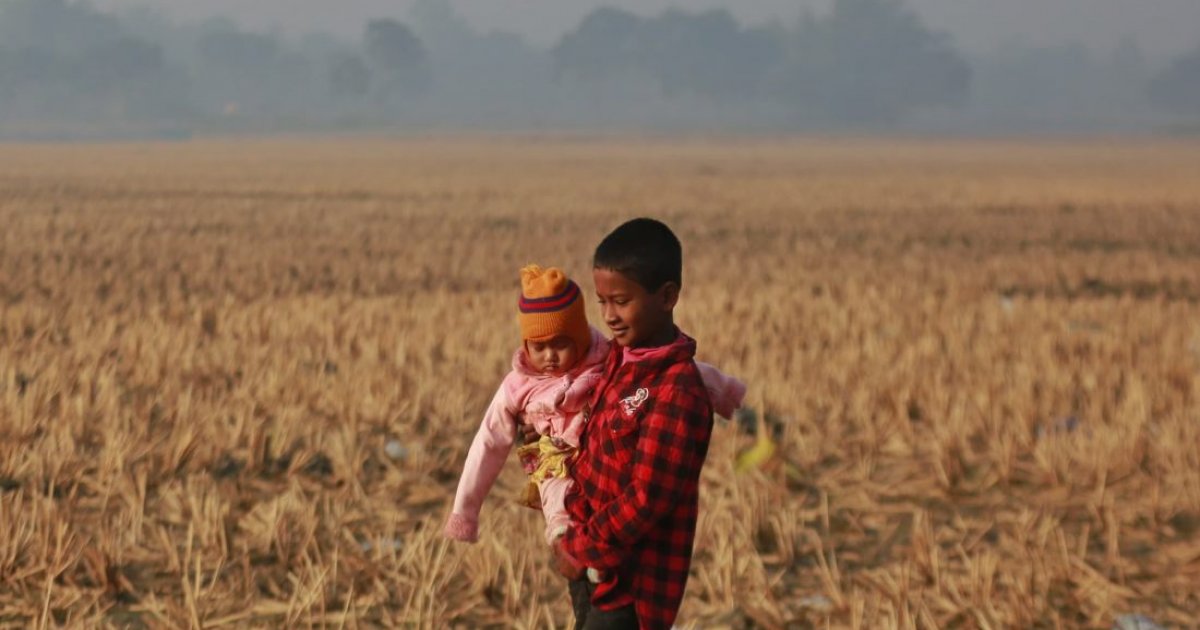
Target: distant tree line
[[63, 60], [865, 63], [1178, 86]]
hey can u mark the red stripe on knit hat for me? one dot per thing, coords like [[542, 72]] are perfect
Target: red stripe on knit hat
[[552, 303]]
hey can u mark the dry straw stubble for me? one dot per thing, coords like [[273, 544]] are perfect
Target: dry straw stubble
[[237, 380]]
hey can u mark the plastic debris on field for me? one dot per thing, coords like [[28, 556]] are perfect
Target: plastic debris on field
[[1135, 622]]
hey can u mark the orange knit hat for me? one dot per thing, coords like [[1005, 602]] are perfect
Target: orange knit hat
[[552, 305]]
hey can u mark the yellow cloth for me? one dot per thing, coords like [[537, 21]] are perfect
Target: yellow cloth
[[543, 459]]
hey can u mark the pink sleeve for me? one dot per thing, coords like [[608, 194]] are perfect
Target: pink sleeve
[[725, 391], [485, 460]]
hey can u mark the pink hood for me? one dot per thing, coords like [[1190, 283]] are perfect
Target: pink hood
[[551, 403]]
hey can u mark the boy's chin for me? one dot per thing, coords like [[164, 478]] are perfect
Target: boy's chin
[[626, 341], [623, 337]]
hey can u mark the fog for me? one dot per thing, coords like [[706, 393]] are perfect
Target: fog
[[1163, 26], [129, 68]]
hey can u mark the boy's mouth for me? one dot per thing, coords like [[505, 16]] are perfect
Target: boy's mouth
[[619, 331]]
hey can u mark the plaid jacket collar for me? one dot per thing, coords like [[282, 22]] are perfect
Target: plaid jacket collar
[[682, 349]]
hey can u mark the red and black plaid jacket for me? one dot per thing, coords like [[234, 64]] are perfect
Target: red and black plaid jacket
[[637, 476]]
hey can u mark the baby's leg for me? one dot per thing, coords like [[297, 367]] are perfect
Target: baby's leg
[[554, 495]]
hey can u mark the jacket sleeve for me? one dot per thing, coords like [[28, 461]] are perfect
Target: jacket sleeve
[[725, 391], [484, 462], [671, 446]]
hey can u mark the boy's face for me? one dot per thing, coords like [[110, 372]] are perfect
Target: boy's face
[[636, 317], [555, 357]]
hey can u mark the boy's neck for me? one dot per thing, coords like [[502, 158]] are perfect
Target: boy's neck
[[664, 337]]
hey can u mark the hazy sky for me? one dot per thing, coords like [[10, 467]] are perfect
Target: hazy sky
[[1161, 26]]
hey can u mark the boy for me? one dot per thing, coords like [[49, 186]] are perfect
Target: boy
[[634, 502], [555, 371]]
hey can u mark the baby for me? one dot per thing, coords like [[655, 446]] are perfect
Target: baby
[[554, 373]]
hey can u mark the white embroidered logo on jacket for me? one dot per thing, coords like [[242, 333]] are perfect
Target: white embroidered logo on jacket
[[631, 404]]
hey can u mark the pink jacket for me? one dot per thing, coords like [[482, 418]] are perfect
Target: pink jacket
[[554, 406]]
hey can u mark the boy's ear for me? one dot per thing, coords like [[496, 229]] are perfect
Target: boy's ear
[[670, 295]]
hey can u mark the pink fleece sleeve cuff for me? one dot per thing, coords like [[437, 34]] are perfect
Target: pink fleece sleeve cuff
[[461, 528], [731, 399]]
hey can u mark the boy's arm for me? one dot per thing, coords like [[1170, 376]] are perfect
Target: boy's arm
[[725, 391], [484, 462], [672, 443]]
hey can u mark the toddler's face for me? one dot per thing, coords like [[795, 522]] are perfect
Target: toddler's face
[[555, 357]]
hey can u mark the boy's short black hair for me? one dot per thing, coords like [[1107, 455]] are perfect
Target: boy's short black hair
[[645, 250]]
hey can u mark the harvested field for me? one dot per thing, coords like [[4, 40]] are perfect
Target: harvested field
[[238, 378]]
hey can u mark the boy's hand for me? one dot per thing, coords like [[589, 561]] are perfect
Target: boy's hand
[[563, 563], [527, 433]]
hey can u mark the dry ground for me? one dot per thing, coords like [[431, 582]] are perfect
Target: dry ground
[[983, 359]]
